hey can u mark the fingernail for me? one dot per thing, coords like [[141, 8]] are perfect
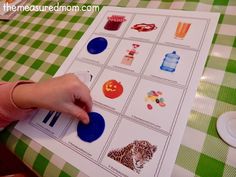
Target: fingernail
[[86, 120]]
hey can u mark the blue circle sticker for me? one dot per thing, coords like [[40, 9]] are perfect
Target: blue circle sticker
[[92, 131], [97, 45]]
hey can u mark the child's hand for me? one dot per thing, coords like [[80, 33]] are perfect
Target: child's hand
[[65, 94]]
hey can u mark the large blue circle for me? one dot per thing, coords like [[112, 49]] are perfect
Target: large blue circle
[[97, 45], [92, 131]]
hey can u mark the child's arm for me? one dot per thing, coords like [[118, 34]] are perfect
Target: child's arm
[[65, 94], [9, 112]]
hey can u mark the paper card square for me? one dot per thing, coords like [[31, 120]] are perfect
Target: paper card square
[[135, 136], [155, 103], [53, 123], [78, 66], [93, 149], [114, 23], [171, 63], [184, 31], [91, 50], [145, 27], [130, 55], [112, 89]]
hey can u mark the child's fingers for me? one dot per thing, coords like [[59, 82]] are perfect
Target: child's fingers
[[82, 105], [83, 96], [79, 113], [87, 105]]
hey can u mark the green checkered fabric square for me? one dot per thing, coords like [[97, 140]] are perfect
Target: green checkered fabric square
[[35, 44], [40, 41]]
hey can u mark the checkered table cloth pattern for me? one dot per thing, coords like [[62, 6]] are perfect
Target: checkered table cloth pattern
[[35, 44]]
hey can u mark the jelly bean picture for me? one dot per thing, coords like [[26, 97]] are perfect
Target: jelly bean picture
[[112, 89], [129, 57], [170, 62], [144, 27], [114, 22], [154, 97]]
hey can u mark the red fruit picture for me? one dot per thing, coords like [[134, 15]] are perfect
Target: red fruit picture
[[112, 89]]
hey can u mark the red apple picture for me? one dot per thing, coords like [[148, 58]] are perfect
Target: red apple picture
[[112, 89]]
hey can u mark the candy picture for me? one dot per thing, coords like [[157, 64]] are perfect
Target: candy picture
[[112, 89], [128, 59], [155, 97], [181, 30], [92, 131], [170, 62], [144, 27], [97, 45], [134, 155], [114, 22]]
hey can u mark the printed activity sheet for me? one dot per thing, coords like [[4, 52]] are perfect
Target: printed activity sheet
[[143, 67]]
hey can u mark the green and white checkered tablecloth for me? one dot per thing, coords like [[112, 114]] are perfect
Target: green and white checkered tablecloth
[[35, 44]]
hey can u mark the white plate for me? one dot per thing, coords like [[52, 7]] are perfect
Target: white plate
[[226, 127]]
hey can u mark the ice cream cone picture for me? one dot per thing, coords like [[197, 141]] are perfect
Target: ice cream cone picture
[[114, 22], [128, 58], [182, 30]]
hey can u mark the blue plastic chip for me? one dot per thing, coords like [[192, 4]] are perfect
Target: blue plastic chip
[[97, 45], [92, 131]]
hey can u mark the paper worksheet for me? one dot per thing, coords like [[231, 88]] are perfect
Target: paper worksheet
[[144, 67]]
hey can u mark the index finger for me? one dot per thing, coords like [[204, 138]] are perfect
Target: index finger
[[83, 98]]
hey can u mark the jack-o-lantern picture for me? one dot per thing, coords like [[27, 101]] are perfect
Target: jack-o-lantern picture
[[112, 89]]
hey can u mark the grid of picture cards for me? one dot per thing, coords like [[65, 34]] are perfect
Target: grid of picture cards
[[144, 66]]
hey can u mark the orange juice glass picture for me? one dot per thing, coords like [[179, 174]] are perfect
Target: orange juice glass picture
[[182, 30], [9, 1]]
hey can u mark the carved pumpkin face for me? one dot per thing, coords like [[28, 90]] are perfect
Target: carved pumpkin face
[[112, 89]]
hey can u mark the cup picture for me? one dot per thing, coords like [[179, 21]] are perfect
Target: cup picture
[[182, 30]]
